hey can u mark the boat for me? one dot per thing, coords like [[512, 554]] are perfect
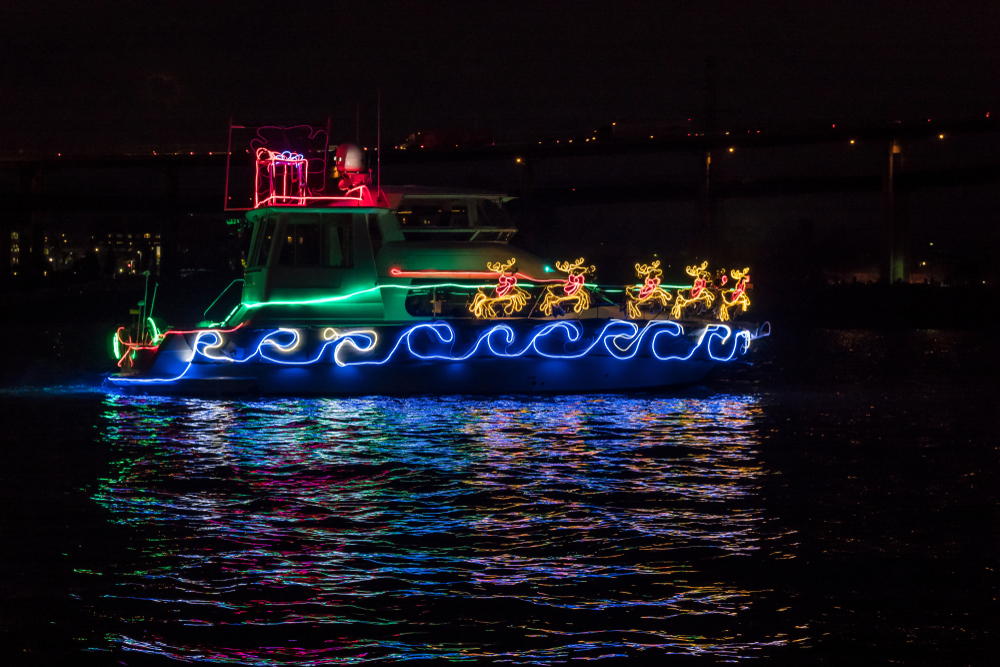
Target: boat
[[355, 288]]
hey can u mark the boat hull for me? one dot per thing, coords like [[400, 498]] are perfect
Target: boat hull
[[439, 358]]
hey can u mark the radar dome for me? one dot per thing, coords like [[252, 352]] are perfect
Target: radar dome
[[349, 159]]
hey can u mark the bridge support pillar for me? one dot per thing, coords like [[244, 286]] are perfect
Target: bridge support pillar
[[894, 217]]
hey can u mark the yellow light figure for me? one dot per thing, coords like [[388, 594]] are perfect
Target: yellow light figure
[[738, 295], [508, 294], [573, 289], [648, 293], [697, 293]]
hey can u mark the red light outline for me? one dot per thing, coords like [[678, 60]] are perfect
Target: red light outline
[[463, 275]]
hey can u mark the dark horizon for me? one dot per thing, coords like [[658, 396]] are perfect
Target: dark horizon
[[80, 78]]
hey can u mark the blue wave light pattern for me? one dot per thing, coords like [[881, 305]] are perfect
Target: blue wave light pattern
[[619, 339]]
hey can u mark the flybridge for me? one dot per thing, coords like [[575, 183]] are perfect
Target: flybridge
[[297, 166]]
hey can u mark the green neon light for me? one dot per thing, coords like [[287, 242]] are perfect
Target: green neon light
[[118, 351], [548, 269], [344, 297], [156, 332], [231, 313], [335, 299]]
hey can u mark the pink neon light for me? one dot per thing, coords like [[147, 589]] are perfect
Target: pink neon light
[[359, 196], [287, 176], [741, 287], [284, 176], [699, 285], [648, 287], [505, 285], [463, 275], [573, 284]]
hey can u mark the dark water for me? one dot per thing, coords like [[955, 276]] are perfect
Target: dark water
[[837, 502]]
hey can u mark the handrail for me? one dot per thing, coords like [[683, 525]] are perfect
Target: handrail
[[238, 280]]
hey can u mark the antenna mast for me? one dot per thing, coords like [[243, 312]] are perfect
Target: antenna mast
[[378, 146]]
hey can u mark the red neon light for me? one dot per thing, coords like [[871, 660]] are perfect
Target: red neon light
[[648, 287], [194, 331], [741, 287], [287, 176], [505, 285], [573, 284], [463, 275], [699, 285], [130, 347], [360, 195]]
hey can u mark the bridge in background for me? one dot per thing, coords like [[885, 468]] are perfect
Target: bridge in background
[[42, 193]]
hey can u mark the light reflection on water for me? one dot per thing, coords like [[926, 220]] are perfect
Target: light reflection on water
[[530, 530]]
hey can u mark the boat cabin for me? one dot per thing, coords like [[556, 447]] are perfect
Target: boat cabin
[[321, 263]]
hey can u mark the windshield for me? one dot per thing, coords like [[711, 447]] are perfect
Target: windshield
[[305, 240]]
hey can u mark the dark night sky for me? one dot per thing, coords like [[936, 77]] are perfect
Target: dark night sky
[[80, 75]]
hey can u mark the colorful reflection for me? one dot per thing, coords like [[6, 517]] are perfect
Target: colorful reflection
[[532, 530]]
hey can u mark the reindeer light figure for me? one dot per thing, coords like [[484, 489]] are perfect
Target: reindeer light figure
[[738, 295], [508, 294], [697, 293], [649, 292], [573, 289]]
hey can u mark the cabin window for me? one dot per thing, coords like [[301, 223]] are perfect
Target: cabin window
[[337, 231], [491, 214], [438, 302], [307, 240], [435, 214], [375, 233], [262, 248], [301, 245]]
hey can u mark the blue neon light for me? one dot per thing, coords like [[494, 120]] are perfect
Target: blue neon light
[[622, 339]]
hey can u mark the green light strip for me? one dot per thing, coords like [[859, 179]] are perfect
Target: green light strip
[[335, 299], [156, 332]]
